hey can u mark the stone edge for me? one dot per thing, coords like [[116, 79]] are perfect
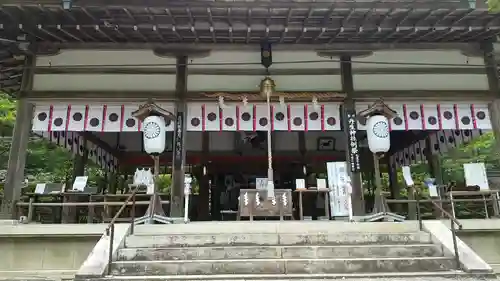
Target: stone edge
[[469, 260], [97, 261]]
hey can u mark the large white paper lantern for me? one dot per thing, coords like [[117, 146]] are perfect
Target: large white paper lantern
[[377, 129], [154, 134]]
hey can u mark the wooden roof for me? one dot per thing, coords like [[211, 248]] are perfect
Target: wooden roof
[[183, 23], [247, 22]]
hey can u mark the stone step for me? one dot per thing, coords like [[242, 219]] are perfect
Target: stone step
[[400, 276], [281, 266], [340, 238], [273, 227], [277, 252]]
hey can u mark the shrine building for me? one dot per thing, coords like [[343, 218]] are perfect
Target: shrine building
[[79, 69]]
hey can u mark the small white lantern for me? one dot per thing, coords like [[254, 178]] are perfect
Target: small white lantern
[[377, 130], [154, 135]]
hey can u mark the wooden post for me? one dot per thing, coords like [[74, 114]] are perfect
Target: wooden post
[[91, 211], [494, 87], [18, 149], [204, 183], [31, 209], [435, 172], [394, 185]]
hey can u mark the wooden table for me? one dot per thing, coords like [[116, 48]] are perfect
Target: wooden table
[[301, 192]]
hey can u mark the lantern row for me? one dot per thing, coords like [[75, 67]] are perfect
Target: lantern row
[[73, 142], [254, 117], [440, 142]]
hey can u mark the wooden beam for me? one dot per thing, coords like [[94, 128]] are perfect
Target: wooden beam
[[251, 71], [346, 47], [424, 95], [134, 96]]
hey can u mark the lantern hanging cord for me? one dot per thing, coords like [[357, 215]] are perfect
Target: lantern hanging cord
[[250, 63]]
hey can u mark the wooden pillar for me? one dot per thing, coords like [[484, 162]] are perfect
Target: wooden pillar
[[179, 151], [303, 152], [204, 196], [80, 161], [434, 171], [394, 186], [494, 87], [358, 205], [19, 145]]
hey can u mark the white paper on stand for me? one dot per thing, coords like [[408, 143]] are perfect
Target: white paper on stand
[[40, 188], [475, 175], [407, 176], [321, 184], [80, 183], [300, 184]]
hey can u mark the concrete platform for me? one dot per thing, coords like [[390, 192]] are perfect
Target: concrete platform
[[278, 252], [45, 251], [52, 230]]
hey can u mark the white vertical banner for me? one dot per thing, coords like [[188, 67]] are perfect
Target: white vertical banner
[[339, 195]]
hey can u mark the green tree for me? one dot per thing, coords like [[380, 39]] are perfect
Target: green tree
[[480, 149]]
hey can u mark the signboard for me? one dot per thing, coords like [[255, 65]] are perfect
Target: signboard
[[179, 141], [339, 194], [353, 149], [40, 188]]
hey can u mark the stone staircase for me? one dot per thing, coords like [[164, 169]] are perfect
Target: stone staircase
[[279, 256]]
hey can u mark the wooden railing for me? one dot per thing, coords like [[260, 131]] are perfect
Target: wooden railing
[[437, 203], [96, 208]]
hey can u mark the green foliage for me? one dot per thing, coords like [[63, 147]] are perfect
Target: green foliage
[[165, 182], [45, 162], [494, 6], [7, 114], [481, 149]]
